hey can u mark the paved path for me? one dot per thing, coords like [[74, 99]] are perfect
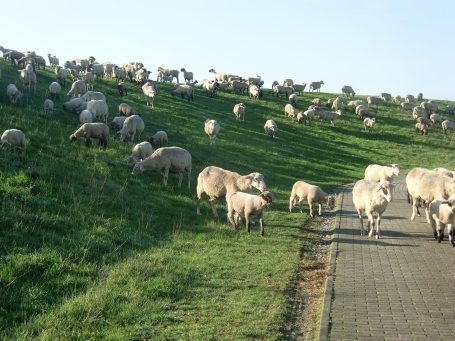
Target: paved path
[[399, 287]]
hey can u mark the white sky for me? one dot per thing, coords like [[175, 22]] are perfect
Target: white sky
[[398, 47]]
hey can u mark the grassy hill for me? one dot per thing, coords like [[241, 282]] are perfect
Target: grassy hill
[[89, 252]]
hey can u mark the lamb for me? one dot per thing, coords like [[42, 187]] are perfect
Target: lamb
[[329, 116], [173, 160], [247, 205], [48, 107], [256, 92], [73, 104], [289, 111], [347, 90], [315, 86], [122, 88], [442, 214], [99, 109], [374, 100], [369, 123], [60, 75], [309, 115], [183, 90], [370, 196], [170, 73], [293, 99], [159, 139], [447, 125], [239, 111], [219, 76], [89, 79], [409, 99], [133, 125], [219, 183], [13, 138], [300, 88], [140, 152], [54, 90], [149, 89], [270, 128], [281, 89], [421, 128], [211, 128], [406, 106], [382, 173], [117, 122], [302, 191], [78, 88], [209, 88], [98, 131], [92, 95], [85, 117], [187, 76], [126, 110], [13, 93], [385, 96]]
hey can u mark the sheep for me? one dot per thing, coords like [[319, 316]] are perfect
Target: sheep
[[219, 76], [337, 104], [89, 79], [13, 93], [289, 111], [247, 205], [374, 100], [382, 173], [302, 191], [126, 110], [447, 125], [239, 85], [293, 99], [12, 138], [209, 88], [300, 88], [108, 68], [309, 115], [97, 70], [329, 116], [74, 73], [60, 75], [445, 172], [397, 99], [48, 107], [270, 128], [167, 160], [420, 96], [149, 89], [99, 109], [429, 107], [442, 213], [133, 125], [117, 122], [187, 76], [369, 123], [409, 99], [370, 196], [170, 73], [98, 131], [354, 104], [92, 95], [315, 86], [183, 90], [119, 73], [141, 76], [122, 88], [140, 152], [347, 90], [362, 112], [85, 117], [193, 84], [256, 92], [421, 128], [73, 104], [411, 186], [385, 96], [406, 106], [53, 60], [13, 55], [316, 101], [54, 90], [219, 183], [78, 88], [426, 186], [28, 78], [211, 128], [239, 111], [281, 89], [450, 109], [423, 120], [301, 118], [159, 139], [435, 118]]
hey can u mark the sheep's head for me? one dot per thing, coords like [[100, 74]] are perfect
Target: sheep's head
[[5, 145], [138, 168], [384, 188], [450, 204], [267, 196], [331, 201], [73, 137], [257, 181]]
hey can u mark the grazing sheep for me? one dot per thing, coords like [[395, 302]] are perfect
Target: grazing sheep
[[289, 111], [97, 131], [93, 95], [300, 88], [429, 107], [409, 99], [293, 99], [447, 125], [281, 89], [385, 96], [78, 88], [239, 111], [219, 183], [329, 116], [374, 100], [247, 205], [54, 90], [170, 73], [117, 122], [209, 88], [450, 109], [159, 139], [423, 120], [382, 173], [140, 152], [315, 86], [99, 109], [347, 90], [48, 107], [183, 90], [149, 89], [167, 160], [126, 110], [435, 118], [122, 88], [421, 128], [362, 112], [302, 191], [397, 99], [131, 126], [316, 101], [89, 79], [442, 214], [369, 123], [13, 93], [270, 128], [85, 117], [301, 118], [371, 196], [240, 85], [406, 106], [211, 128], [187, 76], [354, 104], [13, 138], [309, 115], [420, 96]]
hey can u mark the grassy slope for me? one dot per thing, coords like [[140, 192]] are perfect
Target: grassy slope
[[88, 251]]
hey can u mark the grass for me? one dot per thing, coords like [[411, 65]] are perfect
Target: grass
[[89, 252]]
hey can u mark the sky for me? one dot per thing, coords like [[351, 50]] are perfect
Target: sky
[[399, 47]]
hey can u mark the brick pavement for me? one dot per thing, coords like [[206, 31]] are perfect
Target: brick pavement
[[398, 287]]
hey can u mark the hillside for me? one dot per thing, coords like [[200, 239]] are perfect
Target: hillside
[[90, 252]]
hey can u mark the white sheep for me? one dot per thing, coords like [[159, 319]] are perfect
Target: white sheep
[[125, 109], [182, 90], [219, 183], [48, 107], [212, 128], [256, 92], [28, 78], [167, 160], [447, 125], [421, 128], [329, 116], [140, 152], [239, 111], [293, 99], [337, 104], [149, 89], [409, 99], [13, 138], [133, 125], [362, 111], [406, 106], [89, 79], [187, 75], [248, 205], [374, 100], [210, 88], [94, 95], [97, 131], [53, 60], [302, 191], [354, 104], [368, 123], [108, 68], [385, 96], [85, 117], [450, 109], [371, 196], [60, 75], [270, 128], [309, 115], [96, 69], [347, 90], [397, 99], [219, 76], [78, 88], [54, 90], [118, 73], [429, 107], [99, 109], [289, 111], [382, 173], [281, 89], [170, 73], [442, 214], [117, 122], [73, 104], [436, 118], [240, 85], [159, 140], [300, 88], [315, 86], [13, 93]]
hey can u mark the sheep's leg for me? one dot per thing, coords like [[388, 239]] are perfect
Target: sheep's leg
[[212, 204], [440, 230], [378, 222], [359, 212], [370, 224], [427, 211], [301, 205], [180, 179], [261, 224], [450, 231], [320, 209], [230, 217], [247, 221], [291, 203], [433, 227], [414, 209], [165, 174]]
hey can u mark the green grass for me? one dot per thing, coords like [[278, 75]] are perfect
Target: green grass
[[89, 252]]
